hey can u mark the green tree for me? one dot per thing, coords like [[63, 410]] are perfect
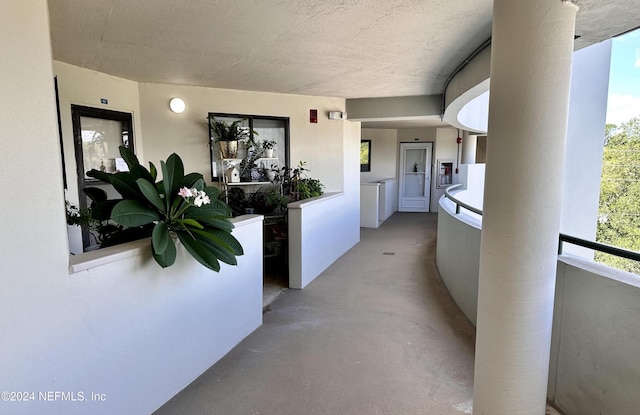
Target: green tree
[[619, 211]]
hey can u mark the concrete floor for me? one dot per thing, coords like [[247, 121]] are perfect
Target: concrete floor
[[376, 333]]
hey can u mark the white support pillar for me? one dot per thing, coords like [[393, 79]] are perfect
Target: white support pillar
[[532, 45], [469, 144]]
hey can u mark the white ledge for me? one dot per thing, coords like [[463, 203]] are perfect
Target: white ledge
[[601, 270], [103, 256], [313, 200]]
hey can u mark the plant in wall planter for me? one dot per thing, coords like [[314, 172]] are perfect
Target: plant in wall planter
[[179, 206], [295, 185]]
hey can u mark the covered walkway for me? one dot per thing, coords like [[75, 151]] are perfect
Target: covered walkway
[[376, 333]]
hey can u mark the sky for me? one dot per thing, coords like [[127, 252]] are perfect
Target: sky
[[624, 79]]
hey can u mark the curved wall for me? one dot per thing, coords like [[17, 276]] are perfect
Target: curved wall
[[458, 256], [594, 367]]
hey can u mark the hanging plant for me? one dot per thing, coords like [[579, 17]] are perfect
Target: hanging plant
[[179, 205]]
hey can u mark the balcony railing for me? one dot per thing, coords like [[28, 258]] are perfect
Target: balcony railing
[[562, 238]]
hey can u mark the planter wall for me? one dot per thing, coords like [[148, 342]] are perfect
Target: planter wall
[[314, 242]]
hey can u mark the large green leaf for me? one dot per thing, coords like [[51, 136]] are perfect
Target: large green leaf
[[136, 170], [212, 192], [222, 239], [153, 171], [160, 238], [172, 176], [199, 184], [211, 217], [132, 213], [191, 178], [126, 186], [229, 239], [102, 211], [168, 257], [149, 191], [199, 251], [190, 222], [100, 175], [129, 157], [96, 195], [220, 252], [216, 208], [140, 172], [219, 223]]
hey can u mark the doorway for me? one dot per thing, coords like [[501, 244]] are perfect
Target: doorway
[[415, 177]]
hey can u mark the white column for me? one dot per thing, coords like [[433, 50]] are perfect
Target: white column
[[469, 144], [532, 46]]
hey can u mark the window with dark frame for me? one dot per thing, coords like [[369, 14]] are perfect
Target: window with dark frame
[[365, 155], [267, 128], [98, 134]]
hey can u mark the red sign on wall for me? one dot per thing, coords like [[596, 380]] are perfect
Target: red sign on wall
[[313, 116]]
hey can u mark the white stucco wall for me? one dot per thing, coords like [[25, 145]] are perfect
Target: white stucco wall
[[384, 154], [317, 239], [585, 144], [314, 240], [320, 145], [86, 87], [446, 148], [370, 205], [458, 256], [594, 367], [409, 135], [128, 329]]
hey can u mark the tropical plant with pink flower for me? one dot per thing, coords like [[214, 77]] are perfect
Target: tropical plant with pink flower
[[179, 205]]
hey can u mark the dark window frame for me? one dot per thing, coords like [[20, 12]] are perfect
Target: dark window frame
[[366, 167], [250, 119], [78, 111]]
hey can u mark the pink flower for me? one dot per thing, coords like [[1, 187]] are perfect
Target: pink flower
[[184, 192]]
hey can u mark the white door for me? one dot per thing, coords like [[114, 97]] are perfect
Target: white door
[[415, 177]]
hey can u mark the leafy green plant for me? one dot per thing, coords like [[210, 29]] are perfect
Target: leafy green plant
[[309, 188], [224, 131], [237, 200], [101, 229], [248, 163], [294, 184], [179, 205]]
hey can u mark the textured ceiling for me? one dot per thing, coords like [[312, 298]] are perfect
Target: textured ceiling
[[343, 48], [350, 48]]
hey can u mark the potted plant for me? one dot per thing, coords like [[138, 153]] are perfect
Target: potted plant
[[178, 207], [268, 146], [228, 135], [248, 167], [296, 185]]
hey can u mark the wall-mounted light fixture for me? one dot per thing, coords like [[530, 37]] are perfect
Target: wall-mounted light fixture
[[337, 115], [177, 105]]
